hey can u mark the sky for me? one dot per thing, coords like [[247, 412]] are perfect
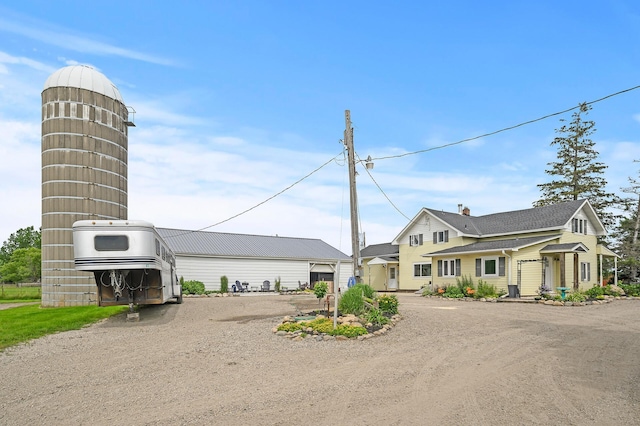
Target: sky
[[237, 101]]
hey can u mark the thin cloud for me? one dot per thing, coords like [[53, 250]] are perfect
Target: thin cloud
[[61, 37], [5, 58]]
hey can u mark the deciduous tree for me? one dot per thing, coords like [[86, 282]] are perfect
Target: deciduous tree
[[22, 238]]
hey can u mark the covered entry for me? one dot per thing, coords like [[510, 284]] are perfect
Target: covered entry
[[557, 253], [322, 272], [390, 268]]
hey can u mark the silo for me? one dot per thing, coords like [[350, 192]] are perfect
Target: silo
[[84, 173]]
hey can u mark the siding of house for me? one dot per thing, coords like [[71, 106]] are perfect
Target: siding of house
[[410, 255], [375, 276]]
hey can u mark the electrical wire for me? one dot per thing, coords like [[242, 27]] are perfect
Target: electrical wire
[[262, 202], [508, 128], [381, 190]]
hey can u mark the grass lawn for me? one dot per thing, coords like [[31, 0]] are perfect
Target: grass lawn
[[30, 322]]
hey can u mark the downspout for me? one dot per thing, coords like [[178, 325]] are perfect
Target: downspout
[[509, 267]]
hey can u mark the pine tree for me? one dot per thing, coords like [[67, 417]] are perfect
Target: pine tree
[[627, 233], [577, 174]]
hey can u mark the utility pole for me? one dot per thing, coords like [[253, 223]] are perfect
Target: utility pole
[[355, 236]]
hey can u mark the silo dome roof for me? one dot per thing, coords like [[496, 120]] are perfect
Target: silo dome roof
[[83, 77]]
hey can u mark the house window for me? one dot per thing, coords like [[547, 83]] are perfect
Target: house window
[[421, 270], [489, 266], [585, 271], [441, 237], [579, 226], [493, 266], [449, 268], [415, 240]]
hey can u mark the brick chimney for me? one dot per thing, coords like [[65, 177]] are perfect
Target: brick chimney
[[466, 211]]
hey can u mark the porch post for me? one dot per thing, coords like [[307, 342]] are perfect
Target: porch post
[[575, 271], [601, 277], [615, 268], [562, 271]]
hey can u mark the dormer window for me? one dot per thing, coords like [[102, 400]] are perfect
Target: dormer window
[[415, 240]]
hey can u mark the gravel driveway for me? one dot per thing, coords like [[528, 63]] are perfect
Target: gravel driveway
[[216, 361]]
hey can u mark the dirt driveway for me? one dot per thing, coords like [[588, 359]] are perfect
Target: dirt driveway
[[215, 361]]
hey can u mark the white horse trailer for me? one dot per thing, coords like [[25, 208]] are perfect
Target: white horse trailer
[[131, 263]]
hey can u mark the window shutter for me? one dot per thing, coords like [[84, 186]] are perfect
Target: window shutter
[[435, 238], [501, 266], [478, 267], [585, 227], [458, 268], [439, 268], [446, 236], [419, 239], [589, 271]]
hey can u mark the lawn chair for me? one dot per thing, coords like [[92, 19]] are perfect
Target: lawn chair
[[241, 288], [302, 287], [265, 285]]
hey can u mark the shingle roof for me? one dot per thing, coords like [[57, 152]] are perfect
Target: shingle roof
[[242, 245], [379, 250], [495, 245], [547, 217]]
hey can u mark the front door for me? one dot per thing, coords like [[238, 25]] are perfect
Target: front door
[[393, 281]]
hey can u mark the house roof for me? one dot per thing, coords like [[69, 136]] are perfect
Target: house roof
[[218, 244], [565, 247], [495, 245], [546, 218], [379, 250]]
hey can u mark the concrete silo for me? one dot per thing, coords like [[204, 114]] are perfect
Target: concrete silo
[[84, 173]]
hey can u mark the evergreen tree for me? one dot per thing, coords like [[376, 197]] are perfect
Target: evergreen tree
[[577, 174], [627, 233]]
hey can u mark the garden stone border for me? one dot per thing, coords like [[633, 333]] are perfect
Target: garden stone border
[[311, 334]]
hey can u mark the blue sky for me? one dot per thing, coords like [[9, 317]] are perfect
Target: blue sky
[[237, 100]]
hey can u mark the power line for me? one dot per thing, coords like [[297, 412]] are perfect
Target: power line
[[264, 201], [382, 191], [507, 128]]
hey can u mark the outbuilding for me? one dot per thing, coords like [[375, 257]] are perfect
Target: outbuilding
[[254, 259]]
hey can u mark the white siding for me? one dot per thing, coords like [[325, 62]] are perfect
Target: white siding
[[254, 271]]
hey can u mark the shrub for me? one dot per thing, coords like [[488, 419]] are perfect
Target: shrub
[[277, 284], [485, 290], [290, 326], [464, 282], [224, 284], [388, 304], [376, 317], [320, 289], [352, 301], [366, 290], [595, 291], [453, 292], [575, 297], [193, 287], [631, 289], [348, 330]]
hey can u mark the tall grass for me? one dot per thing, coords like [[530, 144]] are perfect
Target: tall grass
[[10, 293], [29, 322]]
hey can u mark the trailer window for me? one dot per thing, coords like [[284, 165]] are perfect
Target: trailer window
[[111, 243]]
